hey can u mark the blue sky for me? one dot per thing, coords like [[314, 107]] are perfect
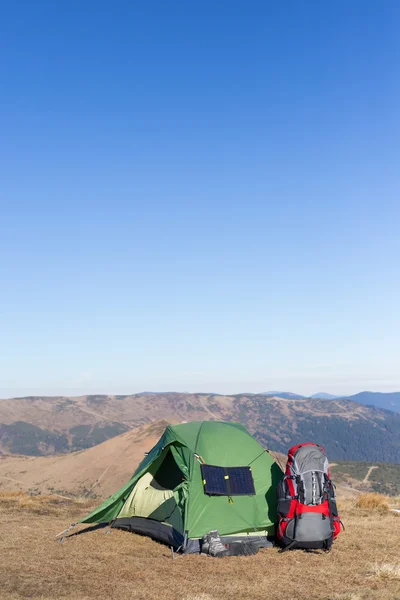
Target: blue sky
[[199, 197]]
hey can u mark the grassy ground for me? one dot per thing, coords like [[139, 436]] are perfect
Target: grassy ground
[[363, 565]]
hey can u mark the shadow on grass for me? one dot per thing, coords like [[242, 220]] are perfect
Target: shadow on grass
[[87, 530]]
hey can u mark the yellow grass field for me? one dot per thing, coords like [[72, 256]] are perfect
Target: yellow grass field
[[363, 565]]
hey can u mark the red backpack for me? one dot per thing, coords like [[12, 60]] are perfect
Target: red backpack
[[307, 511]]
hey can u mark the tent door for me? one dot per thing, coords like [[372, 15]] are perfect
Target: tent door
[[159, 494]]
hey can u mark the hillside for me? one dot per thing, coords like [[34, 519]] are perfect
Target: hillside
[[383, 478], [350, 431], [99, 471], [96, 472]]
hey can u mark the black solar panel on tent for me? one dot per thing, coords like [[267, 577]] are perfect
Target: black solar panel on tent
[[227, 481], [214, 480], [241, 481]]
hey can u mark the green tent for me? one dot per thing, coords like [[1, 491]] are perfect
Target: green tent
[[199, 477]]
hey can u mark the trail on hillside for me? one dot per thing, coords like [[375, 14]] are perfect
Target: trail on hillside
[[369, 473], [204, 405], [85, 409], [12, 479]]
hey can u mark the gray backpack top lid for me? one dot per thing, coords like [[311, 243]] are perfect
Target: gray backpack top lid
[[309, 469]]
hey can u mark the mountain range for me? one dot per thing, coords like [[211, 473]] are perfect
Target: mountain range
[[386, 400], [39, 426]]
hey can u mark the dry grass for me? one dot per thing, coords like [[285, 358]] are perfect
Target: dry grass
[[93, 565], [346, 596], [372, 501], [199, 597], [387, 571], [42, 505]]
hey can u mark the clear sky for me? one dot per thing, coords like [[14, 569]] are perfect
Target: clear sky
[[199, 196]]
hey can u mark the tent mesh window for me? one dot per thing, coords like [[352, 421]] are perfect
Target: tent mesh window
[[168, 476], [227, 481]]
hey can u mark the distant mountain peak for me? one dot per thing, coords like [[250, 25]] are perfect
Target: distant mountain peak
[[286, 395], [324, 396], [385, 400]]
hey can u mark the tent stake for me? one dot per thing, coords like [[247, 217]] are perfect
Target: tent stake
[[64, 533]]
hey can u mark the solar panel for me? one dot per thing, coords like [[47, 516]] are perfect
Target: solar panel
[[214, 480], [227, 481], [241, 481]]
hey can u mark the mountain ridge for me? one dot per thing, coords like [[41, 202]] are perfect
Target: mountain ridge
[[385, 400], [48, 425]]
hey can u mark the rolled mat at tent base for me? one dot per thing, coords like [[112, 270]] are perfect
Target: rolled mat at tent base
[[165, 533]]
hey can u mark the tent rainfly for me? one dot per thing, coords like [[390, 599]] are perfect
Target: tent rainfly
[[199, 477]]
